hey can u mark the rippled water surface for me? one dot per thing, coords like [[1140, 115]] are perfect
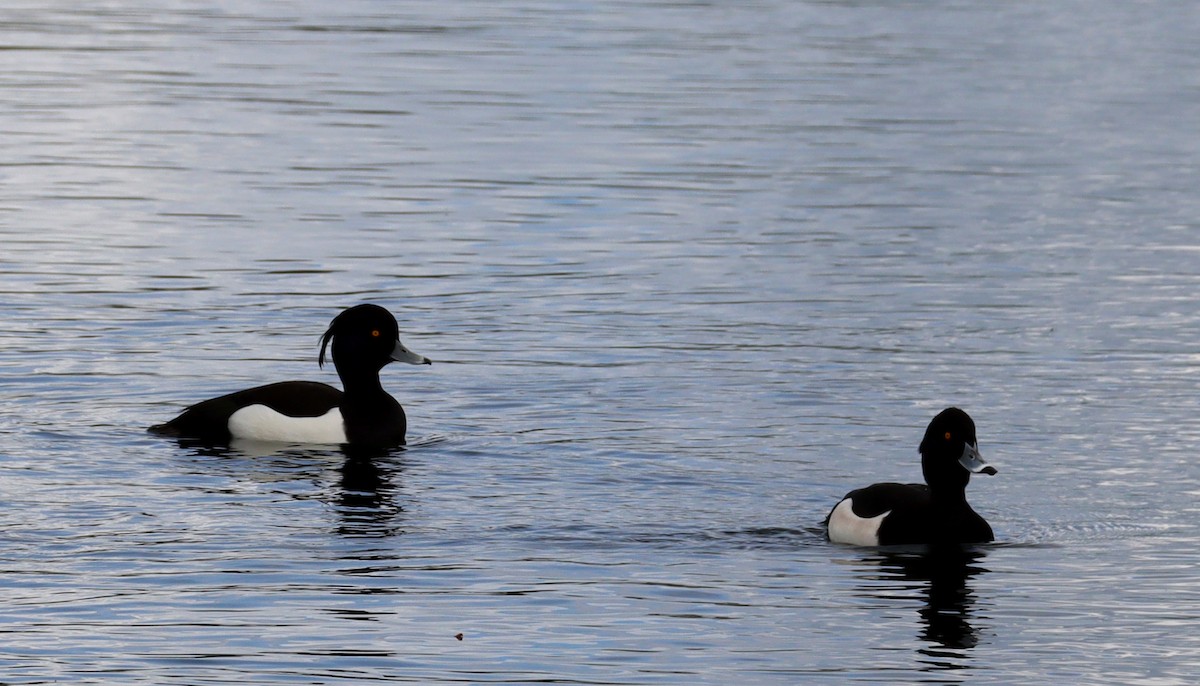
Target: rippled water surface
[[688, 272]]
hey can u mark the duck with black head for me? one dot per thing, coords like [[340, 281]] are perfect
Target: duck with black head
[[361, 340], [934, 512]]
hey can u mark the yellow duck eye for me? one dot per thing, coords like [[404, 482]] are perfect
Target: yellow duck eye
[[947, 435], [375, 334]]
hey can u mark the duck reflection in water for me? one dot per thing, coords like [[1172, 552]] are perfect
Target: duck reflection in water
[[942, 574], [363, 493], [365, 497]]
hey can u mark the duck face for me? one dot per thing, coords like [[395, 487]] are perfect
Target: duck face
[[366, 336], [950, 451]]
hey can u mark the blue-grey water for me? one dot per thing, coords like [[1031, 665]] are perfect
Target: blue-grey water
[[688, 271]]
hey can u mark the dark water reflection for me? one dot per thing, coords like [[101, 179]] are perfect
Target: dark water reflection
[[949, 598], [943, 579], [366, 497], [365, 492], [945, 576]]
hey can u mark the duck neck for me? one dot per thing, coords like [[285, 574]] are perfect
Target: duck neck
[[948, 497], [360, 382], [946, 489]]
